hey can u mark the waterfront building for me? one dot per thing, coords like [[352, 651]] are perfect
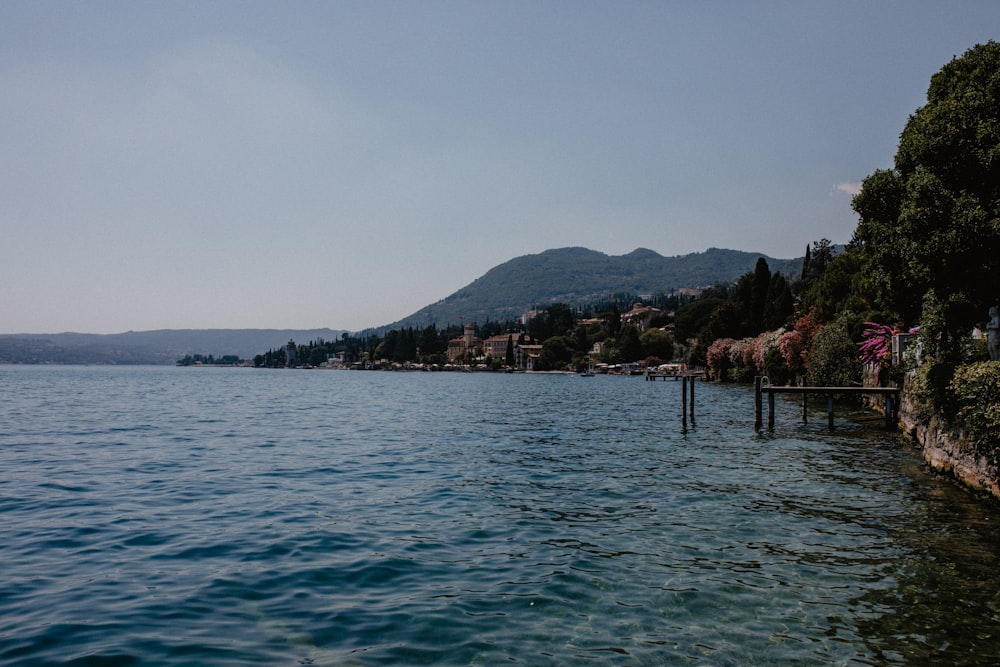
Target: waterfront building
[[467, 343]]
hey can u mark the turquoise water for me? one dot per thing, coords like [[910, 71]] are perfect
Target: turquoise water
[[165, 516]]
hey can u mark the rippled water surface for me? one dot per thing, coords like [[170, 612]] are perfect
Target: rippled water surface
[[158, 516]]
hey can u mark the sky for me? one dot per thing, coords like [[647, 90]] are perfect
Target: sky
[[246, 164]]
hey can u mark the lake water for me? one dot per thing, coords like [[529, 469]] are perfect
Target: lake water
[[165, 516]]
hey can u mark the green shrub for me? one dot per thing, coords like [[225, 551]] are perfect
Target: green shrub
[[976, 391], [833, 358], [918, 391], [776, 369]]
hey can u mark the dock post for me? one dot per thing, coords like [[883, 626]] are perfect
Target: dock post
[[829, 410], [757, 421], [805, 406], [888, 411], [770, 410], [684, 401], [691, 380]]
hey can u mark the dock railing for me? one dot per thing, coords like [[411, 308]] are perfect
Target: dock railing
[[762, 385]]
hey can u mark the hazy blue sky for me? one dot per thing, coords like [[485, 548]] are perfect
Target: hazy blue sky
[[306, 164]]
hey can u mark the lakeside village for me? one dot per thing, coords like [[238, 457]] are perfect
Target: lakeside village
[[555, 339]]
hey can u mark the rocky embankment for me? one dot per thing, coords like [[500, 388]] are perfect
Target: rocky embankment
[[946, 451]]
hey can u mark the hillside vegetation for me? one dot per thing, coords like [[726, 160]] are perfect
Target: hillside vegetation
[[578, 276]]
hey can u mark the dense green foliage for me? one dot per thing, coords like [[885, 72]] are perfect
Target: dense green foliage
[[759, 301], [926, 252], [657, 343], [976, 388], [833, 360], [933, 221], [209, 360]]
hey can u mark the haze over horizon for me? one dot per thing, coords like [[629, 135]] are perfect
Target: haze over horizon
[[230, 165]]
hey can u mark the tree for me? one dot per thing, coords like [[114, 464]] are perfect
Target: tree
[[779, 306], [387, 348], [431, 342], [759, 295], [692, 318], [933, 221], [629, 344], [407, 348], [556, 352], [818, 257], [614, 321], [728, 320], [317, 355], [582, 340], [833, 360], [836, 289], [657, 343], [509, 357], [561, 319]]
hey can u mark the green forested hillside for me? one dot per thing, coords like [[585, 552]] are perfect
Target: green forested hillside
[[578, 276]]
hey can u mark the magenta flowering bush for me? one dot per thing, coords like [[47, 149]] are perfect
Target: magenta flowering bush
[[877, 345]]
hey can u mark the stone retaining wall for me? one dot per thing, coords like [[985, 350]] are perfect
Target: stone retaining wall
[[947, 452]]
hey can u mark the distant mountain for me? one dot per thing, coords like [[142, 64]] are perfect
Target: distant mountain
[[578, 276], [574, 276], [164, 346]]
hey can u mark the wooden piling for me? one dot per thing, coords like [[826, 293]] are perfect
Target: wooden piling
[[890, 395], [757, 417], [691, 407], [684, 400]]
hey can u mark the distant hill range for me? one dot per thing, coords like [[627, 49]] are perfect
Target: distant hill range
[[574, 276], [164, 346], [578, 276]]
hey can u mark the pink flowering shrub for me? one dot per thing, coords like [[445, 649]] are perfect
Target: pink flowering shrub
[[790, 345], [736, 353], [795, 344], [717, 356], [779, 353], [761, 345], [748, 350], [741, 358]]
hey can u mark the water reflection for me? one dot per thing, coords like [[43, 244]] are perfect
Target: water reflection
[[944, 606]]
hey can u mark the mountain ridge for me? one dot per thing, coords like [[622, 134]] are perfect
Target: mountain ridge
[[572, 275], [579, 276]]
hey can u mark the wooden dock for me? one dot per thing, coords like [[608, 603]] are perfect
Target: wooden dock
[[762, 386], [673, 375], [687, 377]]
